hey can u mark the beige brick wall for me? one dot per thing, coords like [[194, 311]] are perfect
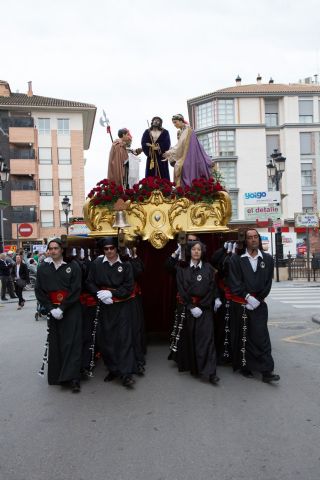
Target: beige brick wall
[[78, 193], [21, 135], [24, 197], [23, 167]]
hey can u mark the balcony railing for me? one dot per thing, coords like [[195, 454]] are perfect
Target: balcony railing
[[29, 185], [22, 153], [23, 217], [21, 122]]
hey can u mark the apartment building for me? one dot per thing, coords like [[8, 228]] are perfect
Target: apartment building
[[240, 126], [43, 141]]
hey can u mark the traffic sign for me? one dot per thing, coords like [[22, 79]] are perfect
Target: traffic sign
[[25, 229], [309, 220]]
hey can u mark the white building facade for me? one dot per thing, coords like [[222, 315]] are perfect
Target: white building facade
[[241, 126]]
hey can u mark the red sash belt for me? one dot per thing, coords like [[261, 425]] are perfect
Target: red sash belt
[[137, 289], [88, 299], [236, 298], [194, 300], [58, 296], [116, 299]]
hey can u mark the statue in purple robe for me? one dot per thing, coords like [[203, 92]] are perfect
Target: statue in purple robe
[[155, 141], [188, 157]]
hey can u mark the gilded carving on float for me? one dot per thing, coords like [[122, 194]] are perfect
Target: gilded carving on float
[[159, 219]]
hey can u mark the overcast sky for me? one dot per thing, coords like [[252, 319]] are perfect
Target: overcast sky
[[138, 58]]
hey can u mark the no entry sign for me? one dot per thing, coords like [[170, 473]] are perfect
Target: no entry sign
[[25, 229]]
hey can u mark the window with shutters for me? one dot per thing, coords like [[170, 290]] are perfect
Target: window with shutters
[[44, 126], [44, 154], [204, 115], [63, 126], [47, 218], [306, 143], [271, 113], [224, 143], [229, 173], [306, 110], [206, 141], [64, 156], [307, 203], [65, 187], [46, 187]]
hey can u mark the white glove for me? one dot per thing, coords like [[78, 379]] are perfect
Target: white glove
[[103, 294], [177, 253], [107, 301], [57, 313], [196, 312], [253, 302], [249, 307], [217, 304]]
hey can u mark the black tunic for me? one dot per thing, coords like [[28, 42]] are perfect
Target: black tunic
[[244, 280], [138, 330], [65, 341], [115, 328], [195, 348], [222, 317]]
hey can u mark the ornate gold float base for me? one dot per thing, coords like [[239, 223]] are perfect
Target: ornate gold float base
[[159, 219]]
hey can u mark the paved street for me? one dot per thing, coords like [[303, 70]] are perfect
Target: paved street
[[171, 426]]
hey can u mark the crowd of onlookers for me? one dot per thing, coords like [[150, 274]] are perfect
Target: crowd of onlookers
[[16, 268]]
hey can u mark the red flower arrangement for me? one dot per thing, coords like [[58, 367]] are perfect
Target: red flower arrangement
[[107, 192]]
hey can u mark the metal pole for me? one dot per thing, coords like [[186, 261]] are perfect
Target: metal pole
[[67, 221], [308, 254], [17, 237], [277, 264], [2, 228]]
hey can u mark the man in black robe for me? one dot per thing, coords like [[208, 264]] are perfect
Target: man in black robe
[[155, 141], [112, 281], [250, 279], [57, 289], [192, 339]]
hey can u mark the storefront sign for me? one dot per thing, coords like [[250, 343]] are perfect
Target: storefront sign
[[308, 220], [261, 198], [262, 213]]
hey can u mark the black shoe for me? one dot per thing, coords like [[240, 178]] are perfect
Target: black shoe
[[268, 377], [4, 299], [75, 386], [141, 370], [214, 379], [128, 381], [111, 376], [246, 373]]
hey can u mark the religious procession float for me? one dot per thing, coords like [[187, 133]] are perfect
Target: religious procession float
[[154, 214]]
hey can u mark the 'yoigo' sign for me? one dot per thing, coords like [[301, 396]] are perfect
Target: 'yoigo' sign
[[262, 197]]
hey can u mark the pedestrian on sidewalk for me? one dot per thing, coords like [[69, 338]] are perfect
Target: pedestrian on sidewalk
[[6, 281], [20, 274]]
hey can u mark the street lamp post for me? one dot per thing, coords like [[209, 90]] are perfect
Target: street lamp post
[[4, 178], [275, 169], [66, 208]]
